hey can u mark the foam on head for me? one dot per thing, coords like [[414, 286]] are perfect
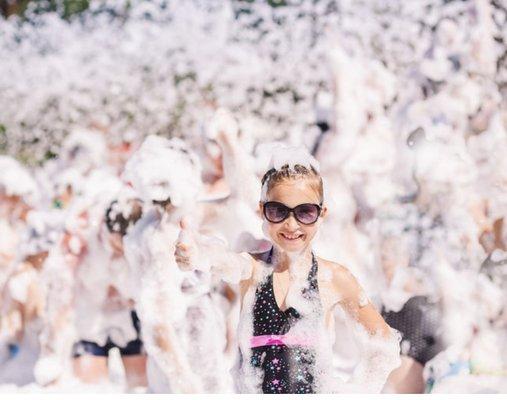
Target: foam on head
[[42, 232], [69, 178], [122, 214], [290, 162], [84, 149], [163, 169]]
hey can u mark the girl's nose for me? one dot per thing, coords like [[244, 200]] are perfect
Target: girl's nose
[[291, 222]]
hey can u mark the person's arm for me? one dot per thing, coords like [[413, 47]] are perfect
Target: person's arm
[[356, 304], [238, 170], [58, 334], [170, 354], [195, 251], [379, 345]]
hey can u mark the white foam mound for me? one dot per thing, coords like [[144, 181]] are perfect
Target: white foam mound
[[223, 122], [47, 369], [163, 168], [15, 179], [84, 148], [68, 177], [291, 156], [42, 231]]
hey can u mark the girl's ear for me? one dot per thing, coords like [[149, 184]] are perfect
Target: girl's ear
[[323, 212], [259, 210]]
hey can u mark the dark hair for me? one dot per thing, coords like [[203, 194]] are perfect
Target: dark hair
[[119, 222]]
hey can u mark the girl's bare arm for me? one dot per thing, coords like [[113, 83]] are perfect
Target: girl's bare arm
[[195, 251], [356, 304], [378, 344]]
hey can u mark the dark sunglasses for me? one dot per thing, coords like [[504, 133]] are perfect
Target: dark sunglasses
[[306, 214]]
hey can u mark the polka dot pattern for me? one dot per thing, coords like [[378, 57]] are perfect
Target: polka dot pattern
[[286, 369]]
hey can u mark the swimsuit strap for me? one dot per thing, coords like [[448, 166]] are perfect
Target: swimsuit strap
[[312, 276], [270, 255]]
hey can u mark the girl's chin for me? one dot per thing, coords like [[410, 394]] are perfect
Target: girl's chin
[[291, 246]]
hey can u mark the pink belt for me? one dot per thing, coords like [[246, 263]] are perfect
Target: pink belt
[[279, 340]]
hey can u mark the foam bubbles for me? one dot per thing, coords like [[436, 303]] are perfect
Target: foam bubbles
[[163, 169]]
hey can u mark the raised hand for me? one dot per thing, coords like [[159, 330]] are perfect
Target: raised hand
[[223, 127]]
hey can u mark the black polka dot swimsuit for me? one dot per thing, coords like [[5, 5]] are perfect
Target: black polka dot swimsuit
[[288, 368]]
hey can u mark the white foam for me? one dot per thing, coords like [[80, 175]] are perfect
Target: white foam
[[164, 168], [291, 156], [17, 180]]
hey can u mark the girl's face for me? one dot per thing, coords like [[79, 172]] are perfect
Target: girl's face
[[291, 235]]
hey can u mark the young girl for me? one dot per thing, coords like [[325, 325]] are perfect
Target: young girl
[[104, 306], [289, 295]]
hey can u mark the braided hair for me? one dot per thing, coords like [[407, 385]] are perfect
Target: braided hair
[[274, 176]]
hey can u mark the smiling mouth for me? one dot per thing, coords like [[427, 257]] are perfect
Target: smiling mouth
[[291, 237]]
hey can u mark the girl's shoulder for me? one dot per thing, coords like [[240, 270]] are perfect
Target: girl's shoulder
[[340, 277], [338, 271]]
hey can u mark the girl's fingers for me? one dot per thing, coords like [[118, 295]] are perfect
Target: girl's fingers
[[181, 247], [183, 264], [180, 253], [182, 259]]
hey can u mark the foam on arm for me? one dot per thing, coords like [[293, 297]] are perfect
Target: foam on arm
[[229, 266], [238, 170], [378, 343]]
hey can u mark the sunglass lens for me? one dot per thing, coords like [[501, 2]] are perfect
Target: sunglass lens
[[275, 212], [307, 213]]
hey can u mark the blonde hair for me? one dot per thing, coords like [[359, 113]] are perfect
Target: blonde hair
[[274, 176]]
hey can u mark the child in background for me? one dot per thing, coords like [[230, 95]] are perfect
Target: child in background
[[110, 318]]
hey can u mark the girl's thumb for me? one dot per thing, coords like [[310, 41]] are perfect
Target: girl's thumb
[[183, 223]]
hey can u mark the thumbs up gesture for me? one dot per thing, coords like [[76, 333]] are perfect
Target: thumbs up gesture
[[185, 248]]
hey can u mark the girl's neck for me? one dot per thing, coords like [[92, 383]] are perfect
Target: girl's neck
[[294, 262]]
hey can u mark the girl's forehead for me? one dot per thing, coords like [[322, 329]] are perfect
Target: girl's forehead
[[293, 192]]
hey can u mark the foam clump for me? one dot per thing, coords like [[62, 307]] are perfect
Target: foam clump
[[84, 148], [163, 169], [222, 123], [47, 370], [15, 179], [291, 156], [43, 230], [380, 355]]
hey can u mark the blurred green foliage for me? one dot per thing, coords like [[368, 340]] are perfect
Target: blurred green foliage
[[3, 138], [69, 8], [66, 8]]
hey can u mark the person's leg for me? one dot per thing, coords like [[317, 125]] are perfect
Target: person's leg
[[407, 378], [134, 357], [135, 370], [91, 369], [90, 362]]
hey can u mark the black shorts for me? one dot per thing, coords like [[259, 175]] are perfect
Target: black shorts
[[418, 322], [132, 348]]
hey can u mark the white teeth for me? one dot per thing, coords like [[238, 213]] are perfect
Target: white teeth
[[291, 237]]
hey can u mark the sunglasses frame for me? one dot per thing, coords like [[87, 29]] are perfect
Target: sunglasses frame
[[292, 210]]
